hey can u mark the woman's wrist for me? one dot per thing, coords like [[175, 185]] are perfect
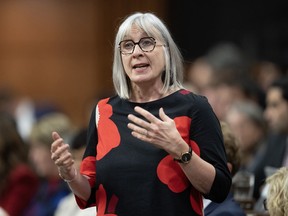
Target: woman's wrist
[[68, 180], [178, 148]]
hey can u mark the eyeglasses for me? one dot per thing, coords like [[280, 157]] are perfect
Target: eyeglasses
[[146, 44]]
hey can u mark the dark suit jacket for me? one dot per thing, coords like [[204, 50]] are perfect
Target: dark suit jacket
[[273, 156], [229, 207]]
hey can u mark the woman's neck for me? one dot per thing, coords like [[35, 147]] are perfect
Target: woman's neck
[[147, 95]]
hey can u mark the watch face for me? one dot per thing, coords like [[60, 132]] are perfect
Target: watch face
[[186, 157]]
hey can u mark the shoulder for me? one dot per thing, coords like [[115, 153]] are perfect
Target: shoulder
[[109, 100], [196, 103], [192, 98]]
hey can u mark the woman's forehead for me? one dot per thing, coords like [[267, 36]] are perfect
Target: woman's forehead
[[137, 31], [133, 31]]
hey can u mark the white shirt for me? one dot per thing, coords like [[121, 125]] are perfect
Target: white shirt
[[69, 207]]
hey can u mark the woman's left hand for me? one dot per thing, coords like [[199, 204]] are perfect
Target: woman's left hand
[[160, 132]]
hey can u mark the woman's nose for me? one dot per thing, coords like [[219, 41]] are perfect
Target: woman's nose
[[137, 50]]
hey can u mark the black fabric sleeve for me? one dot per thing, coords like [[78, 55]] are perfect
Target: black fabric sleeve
[[206, 132], [92, 137]]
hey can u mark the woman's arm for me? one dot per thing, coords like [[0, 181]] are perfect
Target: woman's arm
[[62, 158], [207, 173], [163, 134]]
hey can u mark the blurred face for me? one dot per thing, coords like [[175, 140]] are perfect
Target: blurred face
[[40, 157], [200, 74], [248, 133], [276, 112], [144, 68], [221, 98]]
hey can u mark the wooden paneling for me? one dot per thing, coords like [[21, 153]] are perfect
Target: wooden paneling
[[61, 51]]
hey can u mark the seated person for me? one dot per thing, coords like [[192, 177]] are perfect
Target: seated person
[[18, 181], [229, 206]]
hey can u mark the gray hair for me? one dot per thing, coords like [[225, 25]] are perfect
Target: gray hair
[[252, 110], [153, 27]]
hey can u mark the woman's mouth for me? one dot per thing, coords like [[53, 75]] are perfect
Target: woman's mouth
[[140, 66]]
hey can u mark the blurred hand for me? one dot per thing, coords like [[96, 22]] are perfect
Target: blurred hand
[[62, 157]]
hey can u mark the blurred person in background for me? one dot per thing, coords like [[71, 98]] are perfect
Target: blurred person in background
[[229, 207], [18, 182], [276, 115], [202, 72], [24, 109], [52, 189], [68, 205], [264, 72], [277, 195], [247, 122], [222, 76], [199, 75]]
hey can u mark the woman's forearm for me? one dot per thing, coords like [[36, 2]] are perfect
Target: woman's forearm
[[79, 185]]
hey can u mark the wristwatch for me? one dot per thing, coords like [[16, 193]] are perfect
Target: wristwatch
[[185, 157]]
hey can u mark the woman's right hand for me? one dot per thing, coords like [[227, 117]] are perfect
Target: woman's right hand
[[62, 157]]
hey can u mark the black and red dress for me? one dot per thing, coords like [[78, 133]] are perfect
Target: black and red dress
[[129, 177]]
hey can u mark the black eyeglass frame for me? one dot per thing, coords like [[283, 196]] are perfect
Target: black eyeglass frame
[[138, 43]]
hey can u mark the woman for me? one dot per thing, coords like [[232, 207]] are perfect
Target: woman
[[154, 148], [18, 183]]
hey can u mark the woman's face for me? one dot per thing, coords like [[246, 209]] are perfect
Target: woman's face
[[276, 112], [144, 68]]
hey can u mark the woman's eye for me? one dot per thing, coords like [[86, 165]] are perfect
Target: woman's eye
[[146, 43], [128, 45]]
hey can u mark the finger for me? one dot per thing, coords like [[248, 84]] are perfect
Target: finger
[[150, 117], [138, 121], [55, 136], [162, 115], [137, 129], [65, 160], [62, 150], [68, 164], [139, 136], [56, 144]]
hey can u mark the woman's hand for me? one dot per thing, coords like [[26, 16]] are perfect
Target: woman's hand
[[160, 132], [62, 157]]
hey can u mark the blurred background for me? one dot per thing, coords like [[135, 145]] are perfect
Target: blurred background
[[58, 54]]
